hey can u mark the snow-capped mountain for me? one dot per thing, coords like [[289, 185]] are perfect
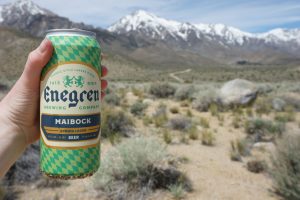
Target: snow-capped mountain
[[281, 35], [27, 16], [159, 28], [21, 8]]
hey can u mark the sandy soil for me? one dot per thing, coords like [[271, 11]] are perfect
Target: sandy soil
[[213, 174]]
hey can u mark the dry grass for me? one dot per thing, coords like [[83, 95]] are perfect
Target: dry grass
[[208, 138], [204, 122]]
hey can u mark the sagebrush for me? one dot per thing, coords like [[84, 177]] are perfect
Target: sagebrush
[[134, 168], [285, 168]]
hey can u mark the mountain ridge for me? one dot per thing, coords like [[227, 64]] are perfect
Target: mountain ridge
[[137, 21], [149, 40]]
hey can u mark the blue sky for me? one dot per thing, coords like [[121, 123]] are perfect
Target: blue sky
[[247, 15]]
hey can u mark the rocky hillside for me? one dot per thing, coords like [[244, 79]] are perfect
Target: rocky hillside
[[15, 46]]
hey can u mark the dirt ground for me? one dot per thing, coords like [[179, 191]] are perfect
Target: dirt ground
[[214, 176]]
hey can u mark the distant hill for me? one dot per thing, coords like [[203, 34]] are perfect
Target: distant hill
[[15, 46]]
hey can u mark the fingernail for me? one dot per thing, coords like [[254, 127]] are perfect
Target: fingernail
[[43, 46]]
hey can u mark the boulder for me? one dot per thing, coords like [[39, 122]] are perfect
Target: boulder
[[264, 146], [237, 92]]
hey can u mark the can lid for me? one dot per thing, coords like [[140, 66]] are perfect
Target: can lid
[[72, 31]]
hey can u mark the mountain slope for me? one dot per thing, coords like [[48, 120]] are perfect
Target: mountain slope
[[160, 28], [214, 41], [26, 16]]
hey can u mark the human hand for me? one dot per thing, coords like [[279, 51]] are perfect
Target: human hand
[[20, 107]]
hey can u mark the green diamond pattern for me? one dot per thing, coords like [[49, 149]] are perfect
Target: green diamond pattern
[[69, 162], [74, 49]]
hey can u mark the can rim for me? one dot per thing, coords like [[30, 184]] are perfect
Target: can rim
[[71, 31]]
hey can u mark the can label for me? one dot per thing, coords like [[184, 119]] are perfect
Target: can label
[[70, 106]]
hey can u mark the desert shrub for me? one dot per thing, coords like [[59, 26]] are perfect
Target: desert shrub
[[201, 105], [184, 159], [189, 113], [285, 117], [184, 139], [256, 166], [288, 116], [114, 138], [160, 117], [249, 112], [167, 136], [263, 106], [180, 123], [138, 108], [174, 110], [236, 121], [10, 193], [137, 92], [177, 191], [285, 168], [204, 100], [193, 132], [147, 120], [208, 138], [162, 90], [237, 110], [213, 109], [240, 148], [221, 118], [135, 167], [262, 130], [234, 154], [185, 103], [292, 101], [115, 122], [50, 183], [204, 122], [121, 91], [264, 89], [112, 99], [184, 93], [278, 104]]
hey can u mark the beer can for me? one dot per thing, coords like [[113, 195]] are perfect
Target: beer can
[[70, 91]]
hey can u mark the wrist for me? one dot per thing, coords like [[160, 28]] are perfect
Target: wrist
[[12, 145], [11, 132]]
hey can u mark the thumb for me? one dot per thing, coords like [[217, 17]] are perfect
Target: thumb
[[37, 59]]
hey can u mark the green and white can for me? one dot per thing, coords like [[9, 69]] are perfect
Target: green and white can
[[70, 93]]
